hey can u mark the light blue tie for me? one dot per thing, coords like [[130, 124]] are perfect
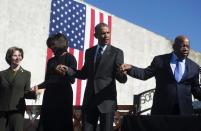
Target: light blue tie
[[178, 71]]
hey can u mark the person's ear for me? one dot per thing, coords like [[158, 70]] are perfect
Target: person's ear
[[174, 46], [95, 35]]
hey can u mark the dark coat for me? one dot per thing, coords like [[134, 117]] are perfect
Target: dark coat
[[101, 85], [57, 106], [168, 91], [13, 92]]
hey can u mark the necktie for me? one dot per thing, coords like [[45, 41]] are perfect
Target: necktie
[[178, 71], [98, 57]]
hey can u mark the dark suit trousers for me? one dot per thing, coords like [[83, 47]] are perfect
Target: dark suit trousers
[[90, 119], [13, 119]]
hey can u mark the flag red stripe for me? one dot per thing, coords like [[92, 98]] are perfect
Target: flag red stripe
[[110, 25], [71, 51], [110, 22], [101, 18], [49, 54], [79, 82], [91, 40]]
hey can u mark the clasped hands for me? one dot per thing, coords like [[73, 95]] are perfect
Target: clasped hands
[[61, 69], [125, 68], [37, 90]]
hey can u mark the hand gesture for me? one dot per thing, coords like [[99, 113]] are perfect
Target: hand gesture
[[125, 67], [61, 69], [120, 70], [36, 90]]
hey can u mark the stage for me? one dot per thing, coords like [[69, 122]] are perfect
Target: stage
[[161, 123]]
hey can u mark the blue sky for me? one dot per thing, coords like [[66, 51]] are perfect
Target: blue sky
[[167, 18]]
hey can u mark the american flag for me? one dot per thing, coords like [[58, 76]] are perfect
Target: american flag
[[76, 20]]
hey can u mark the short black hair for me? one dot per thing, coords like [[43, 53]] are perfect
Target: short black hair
[[98, 28], [178, 40], [58, 40]]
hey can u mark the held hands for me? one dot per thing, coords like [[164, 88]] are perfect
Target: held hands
[[120, 70], [61, 69], [125, 68], [36, 90]]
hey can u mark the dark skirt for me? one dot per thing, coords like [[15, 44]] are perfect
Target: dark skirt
[[57, 109]]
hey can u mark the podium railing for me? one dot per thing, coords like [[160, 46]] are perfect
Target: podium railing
[[33, 112]]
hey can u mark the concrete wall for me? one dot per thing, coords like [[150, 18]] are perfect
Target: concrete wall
[[25, 23]]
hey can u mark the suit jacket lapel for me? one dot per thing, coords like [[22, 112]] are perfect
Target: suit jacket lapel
[[18, 76], [93, 53], [7, 76], [104, 58], [169, 69], [15, 79]]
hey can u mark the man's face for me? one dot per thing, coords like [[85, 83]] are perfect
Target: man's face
[[103, 35], [182, 48]]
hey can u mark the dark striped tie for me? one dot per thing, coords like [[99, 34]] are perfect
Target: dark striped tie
[[98, 57]]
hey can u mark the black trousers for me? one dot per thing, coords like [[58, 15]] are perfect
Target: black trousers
[[176, 110], [90, 120], [13, 120]]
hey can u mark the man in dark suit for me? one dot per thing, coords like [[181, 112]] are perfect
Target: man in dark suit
[[177, 77], [14, 88], [101, 68]]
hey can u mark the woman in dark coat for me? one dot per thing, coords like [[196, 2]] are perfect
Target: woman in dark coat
[[14, 88], [56, 112]]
